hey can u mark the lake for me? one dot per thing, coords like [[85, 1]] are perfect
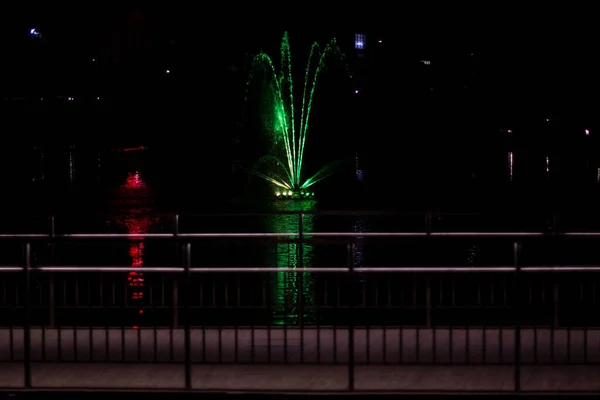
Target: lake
[[291, 298]]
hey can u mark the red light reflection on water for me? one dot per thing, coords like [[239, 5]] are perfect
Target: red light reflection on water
[[134, 181], [138, 224], [136, 279]]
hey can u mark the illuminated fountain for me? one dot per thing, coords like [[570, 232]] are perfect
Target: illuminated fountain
[[293, 300], [289, 130], [136, 223]]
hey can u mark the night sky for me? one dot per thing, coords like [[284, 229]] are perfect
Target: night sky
[[492, 68]]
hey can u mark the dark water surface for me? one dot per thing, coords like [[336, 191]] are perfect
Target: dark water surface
[[291, 298]]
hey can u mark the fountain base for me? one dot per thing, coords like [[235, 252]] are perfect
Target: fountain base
[[294, 194]]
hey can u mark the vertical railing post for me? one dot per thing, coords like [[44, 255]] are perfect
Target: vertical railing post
[[187, 258], [300, 264], [517, 316], [428, 223], [428, 284], [176, 225], [351, 261], [27, 330], [555, 300], [428, 301], [52, 227], [175, 287], [555, 283], [301, 226], [51, 305], [175, 300]]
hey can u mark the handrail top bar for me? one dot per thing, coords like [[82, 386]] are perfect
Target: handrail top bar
[[316, 212], [175, 269], [565, 268], [394, 269], [285, 234], [267, 213]]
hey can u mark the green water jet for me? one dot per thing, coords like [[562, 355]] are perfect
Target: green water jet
[[290, 132]]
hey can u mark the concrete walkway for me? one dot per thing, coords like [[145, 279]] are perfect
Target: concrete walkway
[[301, 377], [147, 359]]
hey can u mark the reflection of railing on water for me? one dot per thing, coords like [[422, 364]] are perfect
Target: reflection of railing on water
[[293, 291]]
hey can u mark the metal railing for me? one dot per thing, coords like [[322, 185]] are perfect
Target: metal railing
[[350, 335]]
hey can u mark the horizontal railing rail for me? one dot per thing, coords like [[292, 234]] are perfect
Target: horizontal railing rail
[[362, 270], [365, 212], [356, 235]]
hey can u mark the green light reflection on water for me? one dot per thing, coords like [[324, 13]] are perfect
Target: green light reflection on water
[[292, 300]]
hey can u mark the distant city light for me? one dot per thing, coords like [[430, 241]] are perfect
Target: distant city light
[[98, 98], [356, 91], [70, 98], [167, 71], [587, 132], [547, 119], [359, 41], [509, 131], [380, 41], [426, 62]]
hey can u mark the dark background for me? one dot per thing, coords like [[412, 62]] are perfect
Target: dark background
[[412, 125]]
